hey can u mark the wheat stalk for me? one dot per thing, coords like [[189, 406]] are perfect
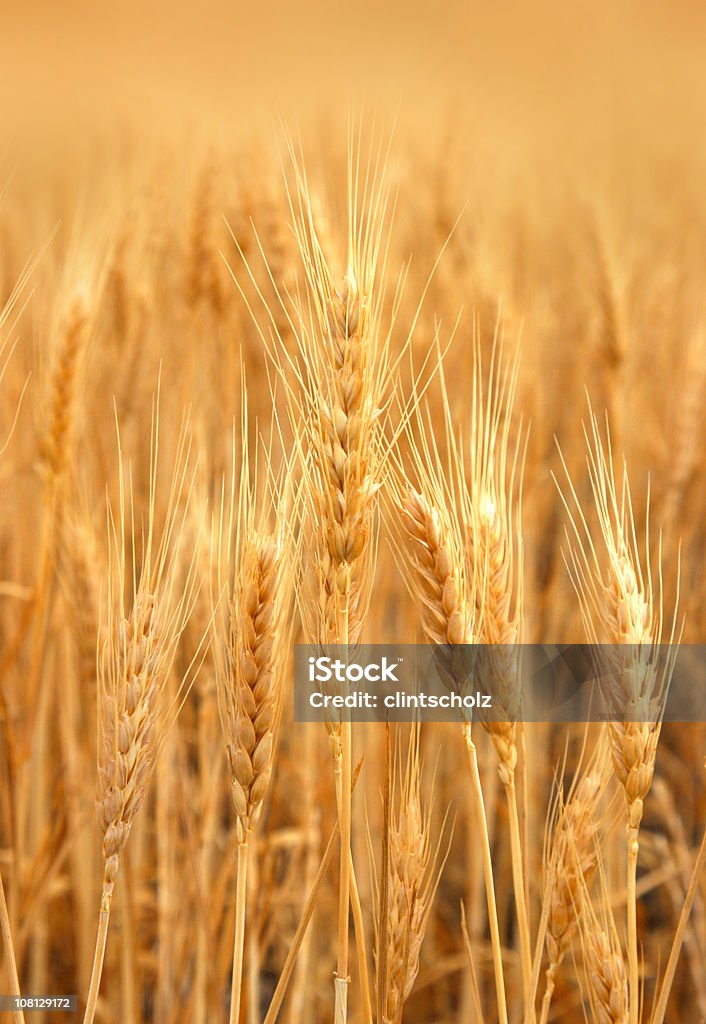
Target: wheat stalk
[[134, 714], [436, 579], [492, 516], [250, 690], [483, 574], [68, 338], [252, 636], [618, 609], [336, 414], [5, 922]]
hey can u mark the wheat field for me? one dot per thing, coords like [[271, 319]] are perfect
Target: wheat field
[[349, 327]]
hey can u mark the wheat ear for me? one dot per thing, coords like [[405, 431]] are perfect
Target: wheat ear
[[79, 555], [607, 976], [72, 337], [604, 966]]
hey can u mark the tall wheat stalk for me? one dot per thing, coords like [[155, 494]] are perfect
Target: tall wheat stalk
[[134, 711], [621, 611], [491, 505], [438, 583], [252, 643], [341, 373], [6, 351], [478, 499]]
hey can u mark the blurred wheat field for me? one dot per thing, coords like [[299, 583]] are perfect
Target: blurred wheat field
[[341, 372]]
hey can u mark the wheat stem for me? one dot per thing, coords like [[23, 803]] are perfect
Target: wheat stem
[[359, 927], [660, 1009], [301, 989], [343, 789], [518, 882], [127, 963], [253, 990], [239, 936], [6, 933], [487, 874], [530, 1016], [99, 954], [548, 993], [633, 963], [288, 967]]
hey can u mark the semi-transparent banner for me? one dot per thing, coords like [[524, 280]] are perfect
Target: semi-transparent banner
[[503, 683]]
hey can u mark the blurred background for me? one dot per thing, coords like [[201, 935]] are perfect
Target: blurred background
[[571, 76]]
